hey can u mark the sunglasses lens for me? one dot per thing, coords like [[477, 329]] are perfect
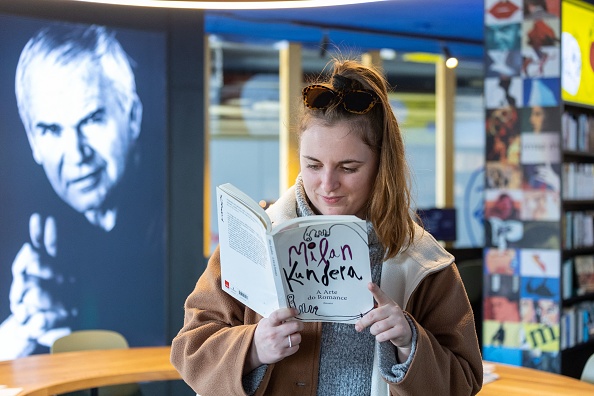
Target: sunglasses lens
[[358, 101], [321, 97], [318, 97]]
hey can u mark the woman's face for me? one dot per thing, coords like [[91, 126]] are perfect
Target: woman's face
[[537, 118], [338, 170]]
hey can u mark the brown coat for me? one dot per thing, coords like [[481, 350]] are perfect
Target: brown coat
[[211, 348]]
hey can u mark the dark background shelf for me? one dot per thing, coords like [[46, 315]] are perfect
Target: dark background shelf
[[568, 302], [582, 251], [574, 359], [578, 204], [577, 156]]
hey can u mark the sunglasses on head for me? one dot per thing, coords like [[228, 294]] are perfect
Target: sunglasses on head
[[358, 101]]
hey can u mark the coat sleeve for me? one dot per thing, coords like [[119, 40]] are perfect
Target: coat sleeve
[[448, 359], [211, 348]]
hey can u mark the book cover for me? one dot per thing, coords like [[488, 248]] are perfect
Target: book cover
[[584, 269], [317, 264]]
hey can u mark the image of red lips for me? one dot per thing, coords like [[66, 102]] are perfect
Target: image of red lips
[[503, 9]]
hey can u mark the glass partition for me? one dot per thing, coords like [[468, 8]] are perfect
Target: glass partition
[[244, 127]]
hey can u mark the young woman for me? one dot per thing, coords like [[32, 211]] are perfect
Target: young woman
[[421, 337]]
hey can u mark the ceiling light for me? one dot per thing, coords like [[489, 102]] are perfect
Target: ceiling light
[[421, 57], [387, 54], [228, 5], [451, 61]]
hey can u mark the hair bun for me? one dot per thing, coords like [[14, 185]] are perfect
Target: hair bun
[[341, 83]]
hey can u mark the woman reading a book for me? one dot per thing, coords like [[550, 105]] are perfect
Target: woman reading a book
[[420, 339]]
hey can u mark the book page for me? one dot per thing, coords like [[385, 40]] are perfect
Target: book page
[[246, 272], [249, 203], [325, 269]]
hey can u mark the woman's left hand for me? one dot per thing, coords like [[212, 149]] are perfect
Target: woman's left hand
[[387, 323]]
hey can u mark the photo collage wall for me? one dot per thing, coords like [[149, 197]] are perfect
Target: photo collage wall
[[521, 312]]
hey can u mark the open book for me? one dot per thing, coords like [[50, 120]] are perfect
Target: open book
[[317, 264]]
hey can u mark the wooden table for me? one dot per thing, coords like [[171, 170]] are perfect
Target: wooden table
[[519, 381], [49, 374], [66, 372]]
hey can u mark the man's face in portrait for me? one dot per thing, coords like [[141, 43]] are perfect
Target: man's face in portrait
[[79, 132]]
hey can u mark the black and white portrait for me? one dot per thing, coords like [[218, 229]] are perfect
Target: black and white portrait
[[82, 170]]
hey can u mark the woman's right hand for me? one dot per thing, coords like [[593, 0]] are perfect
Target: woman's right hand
[[271, 340]]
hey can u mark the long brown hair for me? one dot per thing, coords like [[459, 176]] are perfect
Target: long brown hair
[[389, 207]]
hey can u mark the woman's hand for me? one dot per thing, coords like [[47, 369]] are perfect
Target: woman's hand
[[276, 338], [387, 323]]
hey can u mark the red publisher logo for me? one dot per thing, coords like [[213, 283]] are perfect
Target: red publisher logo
[[227, 284]]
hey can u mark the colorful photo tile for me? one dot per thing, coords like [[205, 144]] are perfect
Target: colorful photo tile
[[539, 33], [542, 177], [540, 263], [503, 204], [502, 285], [541, 48], [544, 311], [505, 37], [548, 312], [543, 337], [501, 309], [503, 91], [504, 262], [539, 9], [502, 63], [538, 205], [537, 119], [499, 354], [540, 148], [503, 176], [541, 92], [503, 135], [498, 12], [542, 62], [540, 288], [503, 234], [528, 310], [502, 334], [539, 235], [503, 140]]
